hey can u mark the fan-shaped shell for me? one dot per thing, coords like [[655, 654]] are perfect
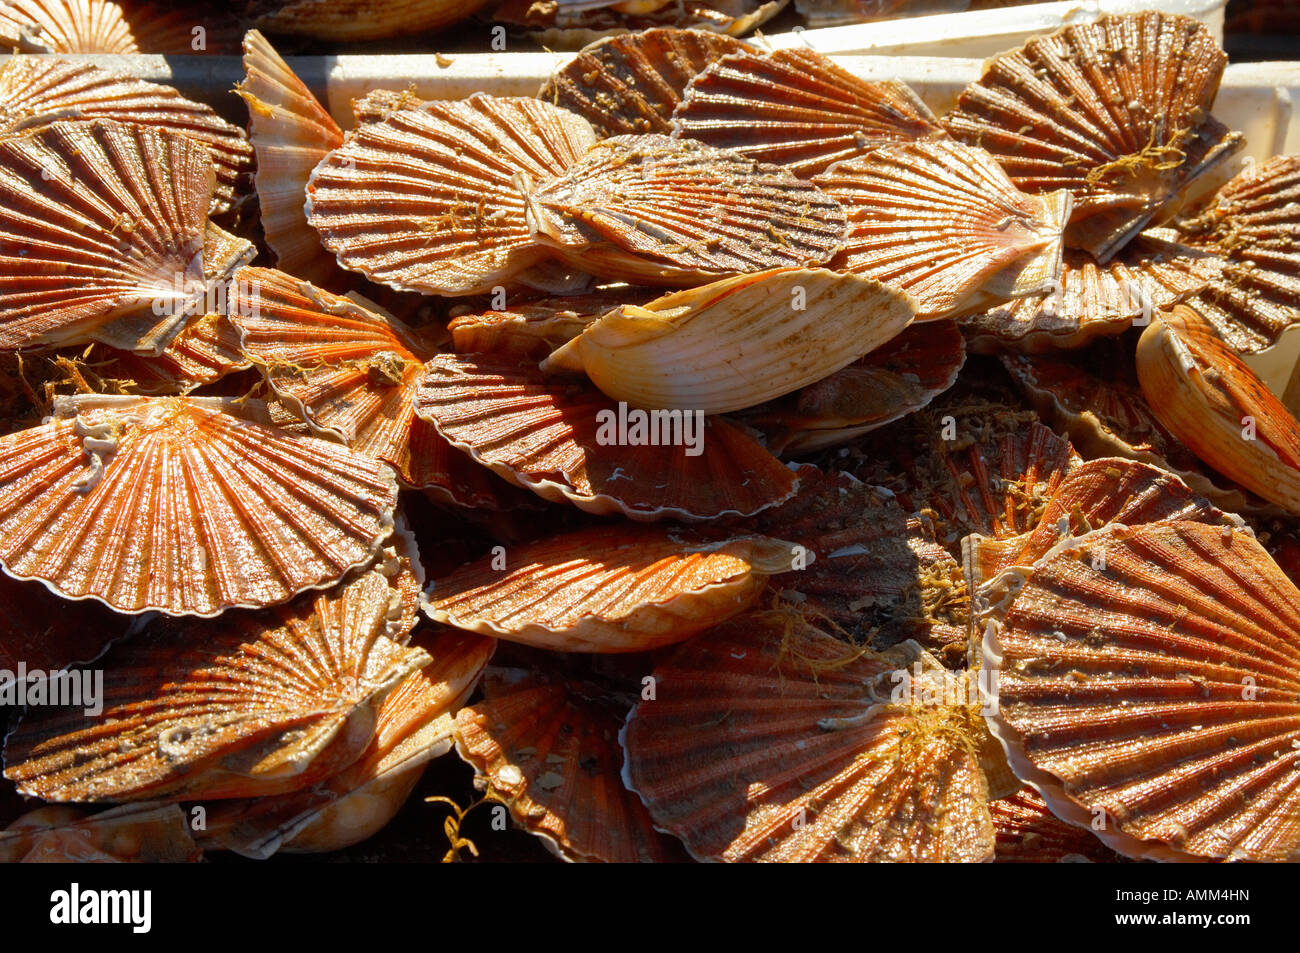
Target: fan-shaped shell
[[43, 633], [609, 589], [291, 133], [142, 833], [254, 703], [1211, 401], [1092, 300], [660, 210], [425, 200], [1029, 833], [352, 20], [567, 441], [175, 504], [769, 740], [536, 328], [36, 92], [631, 83], [548, 747], [1254, 223], [737, 342], [797, 108], [1115, 111], [895, 379], [566, 26], [1149, 677], [98, 220], [941, 220], [107, 26], [205, 350]]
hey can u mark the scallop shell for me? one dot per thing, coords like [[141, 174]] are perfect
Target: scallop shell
[[535, 328], [631, 83], [896, 379], [176, 504], [140, 833], [1254, 223], [548, 748], [1149, 687], [796, 108], [44, 633], [205, 350], [609, 589], [425, 201], [548, 436], [941, 220], [291, 133], [251, 704], [554, 30], [1116, 111], [1029, 833], [348, 21], [98, 220], [413, 725], [767, 739], [36, 92], [106, 26], [1092, 300], [737, 342], [1211, 401], [657, 210]]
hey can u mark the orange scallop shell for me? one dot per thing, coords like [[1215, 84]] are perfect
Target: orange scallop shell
[[544, 434], [349, 21], [251, 704], [116, 26], [205, 350], [1149, 681], [175, 504], [535, 328], [132, 833]]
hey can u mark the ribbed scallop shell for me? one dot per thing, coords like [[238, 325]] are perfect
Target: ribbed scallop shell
[[413, 725], [349, 21], [174, 504], [132, 833], [737, 342], [251, 704], [659, 210], [556, 28], [631, 83], [1116, 111], [1216, 405], [536, 328], [769, 740], [36, 92], [97, 221], [1093, 300], [291, 134], [544, 434], [1149, 677], [106, 26], [1029, 833], [1094, 397], [797, 108], [1254, 223], [941, 220], [609, 589], [548, 747], [205, 350], [425, 200], [895, 379], [46, 633]]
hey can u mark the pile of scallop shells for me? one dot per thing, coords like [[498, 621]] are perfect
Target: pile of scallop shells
[[624, 440]]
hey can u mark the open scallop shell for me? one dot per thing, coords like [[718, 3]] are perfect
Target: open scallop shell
[[36, 92], [291, 133], [1216, 405], [548, 748], [536, 328], [43, 633], [1254, 223], [115, 26], [659, 210], [426, 201], [413, 725], [354, 20], [1149, 680], [767, 739], [895, 379], [1092, 300], [737, 342], [941, 220], [1116, 111], [629, 84], [177, 504], [609, 589], [1029, 833], [566, 441], [797, 108], [251, 704], [205, 350], [98, 220], [132, 833]]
